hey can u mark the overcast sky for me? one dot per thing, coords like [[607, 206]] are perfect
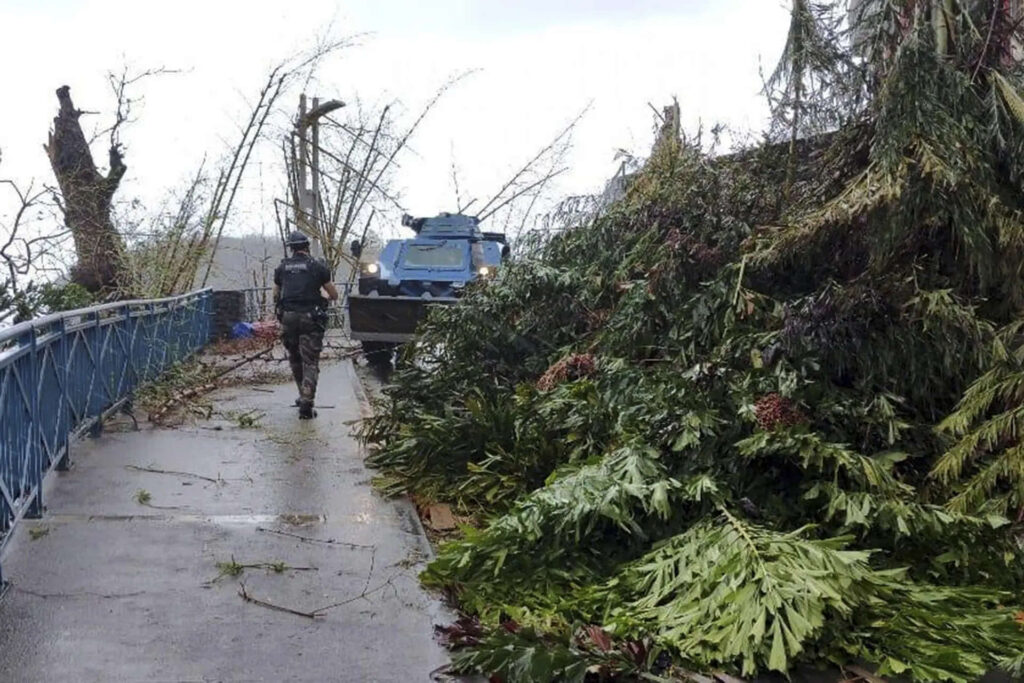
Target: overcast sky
[[539, 62]]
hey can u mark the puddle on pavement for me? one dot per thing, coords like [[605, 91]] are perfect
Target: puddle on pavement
[[292, 520], [287, 519], [301, 520]]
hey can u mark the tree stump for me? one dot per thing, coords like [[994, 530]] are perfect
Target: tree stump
[[86, 199]]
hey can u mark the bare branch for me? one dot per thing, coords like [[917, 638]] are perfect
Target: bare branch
[[543, 180], [528, 167], [455, 180], [359, 154], [277, 82]]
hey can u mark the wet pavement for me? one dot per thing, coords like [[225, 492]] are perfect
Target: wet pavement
[[129, 575]]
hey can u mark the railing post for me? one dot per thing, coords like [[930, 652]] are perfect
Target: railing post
[[64, 367], [128, 378], [35, 443], [95, 342], [151, 336], [208, 316]]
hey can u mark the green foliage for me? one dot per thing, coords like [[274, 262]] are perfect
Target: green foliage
[[986, 462], [728, 591], [521, 657], [63, 297], [873, 516], [39, 299]]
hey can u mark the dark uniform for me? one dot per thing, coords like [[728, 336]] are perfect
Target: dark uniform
[[303, 315]]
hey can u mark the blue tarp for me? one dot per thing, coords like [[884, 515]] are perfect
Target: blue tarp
[[241, 331]]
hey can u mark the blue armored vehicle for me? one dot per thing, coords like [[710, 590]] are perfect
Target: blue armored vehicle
[[448, 252]]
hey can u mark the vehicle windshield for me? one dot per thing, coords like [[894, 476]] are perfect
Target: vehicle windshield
[[444, 255]]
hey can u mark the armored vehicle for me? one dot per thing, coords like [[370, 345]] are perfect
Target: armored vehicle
[[433, 268]]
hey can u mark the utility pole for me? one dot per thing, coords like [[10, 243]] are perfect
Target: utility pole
[[307, 166]]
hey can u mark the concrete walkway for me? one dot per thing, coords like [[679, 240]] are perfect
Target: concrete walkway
[[108, 588]]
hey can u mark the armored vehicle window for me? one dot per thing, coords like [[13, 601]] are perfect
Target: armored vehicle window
[[434, 256]]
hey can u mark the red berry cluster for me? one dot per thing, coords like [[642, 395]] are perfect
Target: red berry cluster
[[573, 366], [773, 410]]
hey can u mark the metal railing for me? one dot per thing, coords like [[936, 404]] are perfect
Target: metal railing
[[260, 306], [62, 374]]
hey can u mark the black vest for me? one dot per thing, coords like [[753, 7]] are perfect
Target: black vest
[[300, 279]]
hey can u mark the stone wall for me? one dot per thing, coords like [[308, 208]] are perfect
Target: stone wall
[[228, 309]]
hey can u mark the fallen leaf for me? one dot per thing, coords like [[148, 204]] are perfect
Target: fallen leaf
[[440, 518]]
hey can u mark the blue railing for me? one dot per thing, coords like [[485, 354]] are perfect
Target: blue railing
[[62, 374]]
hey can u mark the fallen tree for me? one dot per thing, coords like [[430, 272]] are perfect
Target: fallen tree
[[715, 431]]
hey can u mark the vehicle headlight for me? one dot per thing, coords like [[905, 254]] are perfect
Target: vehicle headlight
[[371, 268], [485, 271]]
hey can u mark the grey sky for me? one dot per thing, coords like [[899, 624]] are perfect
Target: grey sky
[[539, 63]]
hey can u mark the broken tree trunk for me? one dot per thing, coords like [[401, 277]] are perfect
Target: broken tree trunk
[[87, 196]]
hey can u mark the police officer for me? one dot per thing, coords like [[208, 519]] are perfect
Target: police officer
[[302, 312]]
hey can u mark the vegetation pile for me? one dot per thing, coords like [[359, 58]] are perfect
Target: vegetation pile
[[765, 412]]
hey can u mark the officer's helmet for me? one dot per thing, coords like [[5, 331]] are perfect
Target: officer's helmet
[[297, 241]]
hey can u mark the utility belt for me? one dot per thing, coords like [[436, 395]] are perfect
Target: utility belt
[[317, 313]]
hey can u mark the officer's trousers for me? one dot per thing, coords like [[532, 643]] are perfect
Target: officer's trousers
[[303, 338]]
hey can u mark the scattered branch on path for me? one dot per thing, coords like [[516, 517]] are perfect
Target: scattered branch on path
[[369, 574], [143, 497], [84, 594], [310, 539], [154, 470], [242, 593], [365, 593], [232, 568], [210, 383]]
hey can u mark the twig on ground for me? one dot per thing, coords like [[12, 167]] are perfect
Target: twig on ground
[[369, 574], [83, 594], [242, 593], [233, 568], [366, 593], [309, 539], [154, 470], [210, 385], [143, 497]]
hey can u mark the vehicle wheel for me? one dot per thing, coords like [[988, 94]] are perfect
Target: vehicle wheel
[[378, 354]]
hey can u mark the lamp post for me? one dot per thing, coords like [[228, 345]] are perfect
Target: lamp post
[[307, 209]]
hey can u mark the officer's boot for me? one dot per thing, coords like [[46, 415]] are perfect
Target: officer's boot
[[306, 411]]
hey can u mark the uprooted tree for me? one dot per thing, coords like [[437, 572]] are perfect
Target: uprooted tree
[[710, 429]]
